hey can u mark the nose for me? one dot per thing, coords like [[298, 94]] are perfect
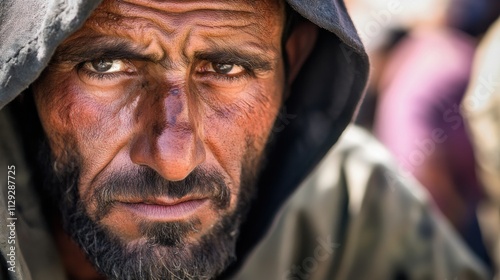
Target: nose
[[170, 141]]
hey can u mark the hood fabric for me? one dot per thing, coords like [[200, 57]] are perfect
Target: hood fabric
[[30, 31], [323, 98]]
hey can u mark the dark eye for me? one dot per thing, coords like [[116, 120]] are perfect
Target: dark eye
[[222, 68], [225, 68], [106, 66], [102, 65]]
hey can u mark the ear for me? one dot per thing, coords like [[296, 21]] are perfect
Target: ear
[[298, 47]]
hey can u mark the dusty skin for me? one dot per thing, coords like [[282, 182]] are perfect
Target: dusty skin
[[173, 86]]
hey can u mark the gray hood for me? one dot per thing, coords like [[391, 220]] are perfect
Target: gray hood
[[30, 31], [323, 100]]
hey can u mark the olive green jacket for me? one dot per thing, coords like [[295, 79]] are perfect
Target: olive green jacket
[[356, 217]]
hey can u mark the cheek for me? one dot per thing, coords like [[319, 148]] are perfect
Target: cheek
[[55, 104], [249, 122], [74, 121], [260, 123], [256, 118]]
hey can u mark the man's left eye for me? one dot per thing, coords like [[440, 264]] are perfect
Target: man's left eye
[[105, 66], [225, 68]]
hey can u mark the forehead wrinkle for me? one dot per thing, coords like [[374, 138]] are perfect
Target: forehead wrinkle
[[129, 30], [97, 36], [175, 13], [123, 19], [110, 21], [189, 5], [158, 36], [150, 35]]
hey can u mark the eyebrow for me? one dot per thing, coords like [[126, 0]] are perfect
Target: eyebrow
[[239, 57], [88, 49]]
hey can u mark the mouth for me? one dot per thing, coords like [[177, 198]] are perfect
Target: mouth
[[165, 209]]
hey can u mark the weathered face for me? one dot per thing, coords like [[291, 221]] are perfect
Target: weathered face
[[161, 109]]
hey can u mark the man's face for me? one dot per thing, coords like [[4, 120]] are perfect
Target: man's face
[[157, 114]]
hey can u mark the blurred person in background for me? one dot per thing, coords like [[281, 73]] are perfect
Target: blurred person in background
[[382, 24], [418, 116], [481, 109]]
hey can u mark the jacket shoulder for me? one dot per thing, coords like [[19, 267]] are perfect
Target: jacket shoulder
[[356, 217]]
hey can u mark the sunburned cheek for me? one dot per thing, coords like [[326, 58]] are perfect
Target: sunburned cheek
[[89, 121], [92, 126], [249, 124], [260, 117]]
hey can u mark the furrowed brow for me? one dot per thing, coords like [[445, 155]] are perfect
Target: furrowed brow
[[242, 58], [88, 49]]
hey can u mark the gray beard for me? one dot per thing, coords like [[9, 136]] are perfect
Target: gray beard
[[165, 254]]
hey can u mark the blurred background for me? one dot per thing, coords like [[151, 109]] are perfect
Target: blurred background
[[422, 56]]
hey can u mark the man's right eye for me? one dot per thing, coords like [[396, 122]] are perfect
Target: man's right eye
[[106, 66], [106, 69]]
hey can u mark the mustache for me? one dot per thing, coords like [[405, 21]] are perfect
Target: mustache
[[145, 183]]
